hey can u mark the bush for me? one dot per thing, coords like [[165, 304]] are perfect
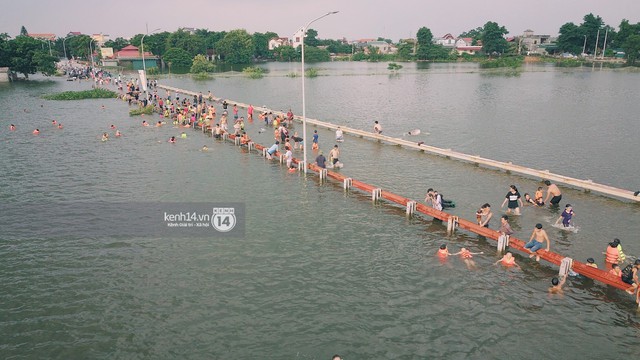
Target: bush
[[512, 62], [394, 66], [253, 72], [97, 93], [202, 76], [202, 65], [147, 110], [311, 72]]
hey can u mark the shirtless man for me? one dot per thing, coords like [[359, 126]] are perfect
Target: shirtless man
[[537, 239], [553, 193], [334, 154], [556, 287]]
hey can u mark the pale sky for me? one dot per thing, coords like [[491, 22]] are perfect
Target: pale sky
[[393, 19]]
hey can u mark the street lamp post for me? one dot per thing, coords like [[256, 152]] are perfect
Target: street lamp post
[[304, 113], [64, 47], [144, 65], [91, 54]]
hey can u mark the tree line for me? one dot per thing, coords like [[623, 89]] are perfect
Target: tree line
[[179, 48]]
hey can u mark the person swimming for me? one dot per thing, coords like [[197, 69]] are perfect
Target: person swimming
[[60, 126], [113, 127], [12, 127], [172, 140], [118, 133], [145, 123], [183, 135], [54, 123], [507, 260], [205, 148], [36, 132], [105, 137], [443, 251], [529, 200]]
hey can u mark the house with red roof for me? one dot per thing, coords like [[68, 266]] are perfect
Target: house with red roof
[[131, 56]]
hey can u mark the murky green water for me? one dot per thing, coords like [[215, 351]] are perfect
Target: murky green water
[[320, 271]]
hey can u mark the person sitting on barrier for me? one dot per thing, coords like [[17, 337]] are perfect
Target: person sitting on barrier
[[556, 285], [513, 198], [630, 276], [505, 228], [591, 262], [566, 216], [217, 132], [538, 238], [615, 270], [320, 160], [272, 150], [553, 193], [507, 260], [377, 128], [245, 140], [485, 215]]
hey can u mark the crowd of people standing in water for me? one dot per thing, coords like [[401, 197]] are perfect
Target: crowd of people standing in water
[[614, 257], [200, 111]]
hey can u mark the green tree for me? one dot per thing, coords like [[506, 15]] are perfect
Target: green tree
[[314, 54], [23, 31], [374, 53], [475, 34], [631, 47], [337, 47], [200, 64], [625, 30], [5, 50], [193, 44], [439, 52], [493, 40], [425, 42], [261, 43], [27, 56], [117, 44], [570, 38], [405, 51], [312, 38], [236, 47], [177, 57], [78, 46], [286, 53]]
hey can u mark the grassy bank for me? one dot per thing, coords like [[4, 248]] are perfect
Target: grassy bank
[[79, 95]]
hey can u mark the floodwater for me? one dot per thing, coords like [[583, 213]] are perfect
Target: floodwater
[[320, 271]]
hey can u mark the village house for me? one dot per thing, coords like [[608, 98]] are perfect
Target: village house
[[277, 42], [130, 57]]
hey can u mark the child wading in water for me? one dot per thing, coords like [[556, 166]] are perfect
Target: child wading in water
[[566, 216]]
